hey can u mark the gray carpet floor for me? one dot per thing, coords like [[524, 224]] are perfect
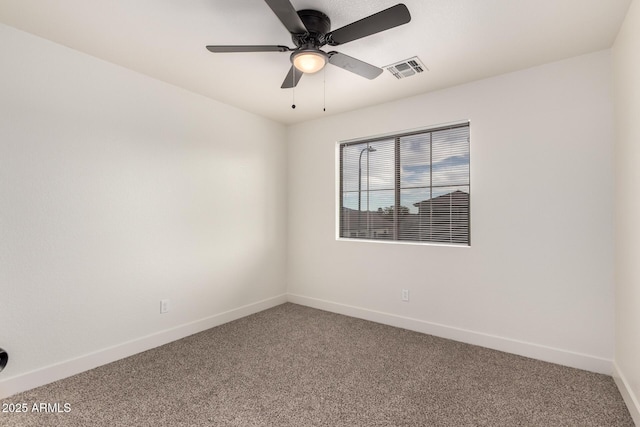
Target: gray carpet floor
[[296, 366]]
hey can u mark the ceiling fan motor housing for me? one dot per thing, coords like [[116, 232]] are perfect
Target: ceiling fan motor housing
[[317, 23]]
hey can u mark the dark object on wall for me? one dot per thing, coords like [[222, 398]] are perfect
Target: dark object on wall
[[4, 358], [311, 29]]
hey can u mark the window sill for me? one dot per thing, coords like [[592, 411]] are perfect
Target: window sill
[[402, 242]]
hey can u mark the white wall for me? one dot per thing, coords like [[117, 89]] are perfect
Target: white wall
[[538, 278], [117, 190], [626, 62]]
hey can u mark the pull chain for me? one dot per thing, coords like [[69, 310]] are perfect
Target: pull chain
[[293, 87], [324, 89]]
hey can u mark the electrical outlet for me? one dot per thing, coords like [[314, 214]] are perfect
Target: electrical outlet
[[405, 295], [165, 306]]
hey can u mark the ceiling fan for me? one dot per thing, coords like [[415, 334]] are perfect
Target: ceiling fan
[[310, 30]]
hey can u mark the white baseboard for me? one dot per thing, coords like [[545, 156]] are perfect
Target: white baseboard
[[632, 401], [534, 351], [58, 371]]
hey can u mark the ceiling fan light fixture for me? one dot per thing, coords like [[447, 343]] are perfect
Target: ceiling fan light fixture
[[309, 61]]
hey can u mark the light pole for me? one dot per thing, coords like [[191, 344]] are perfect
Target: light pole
[[368, 149]]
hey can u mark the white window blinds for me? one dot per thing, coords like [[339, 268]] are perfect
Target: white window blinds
[[411, 187]]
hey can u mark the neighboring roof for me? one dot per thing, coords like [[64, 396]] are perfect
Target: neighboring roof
[[457, 196]]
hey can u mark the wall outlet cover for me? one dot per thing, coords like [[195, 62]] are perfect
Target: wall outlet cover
[[165, 306]]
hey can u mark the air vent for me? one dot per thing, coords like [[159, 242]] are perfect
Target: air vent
[[407, 68]]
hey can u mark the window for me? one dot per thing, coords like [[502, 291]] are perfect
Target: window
[[407, 187]]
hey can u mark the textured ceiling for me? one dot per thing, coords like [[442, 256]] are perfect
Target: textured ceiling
[[458, 40]]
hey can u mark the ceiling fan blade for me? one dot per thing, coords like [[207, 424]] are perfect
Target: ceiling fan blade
[[287, 14], [247, 48], [354, 65], [381, 21], [292, 79]]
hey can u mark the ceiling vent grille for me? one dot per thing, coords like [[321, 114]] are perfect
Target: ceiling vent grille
[[407, 68]]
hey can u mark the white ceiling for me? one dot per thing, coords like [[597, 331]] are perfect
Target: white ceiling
[[458, 40]]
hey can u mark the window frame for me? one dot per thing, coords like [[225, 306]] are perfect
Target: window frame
[[397, 187]]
